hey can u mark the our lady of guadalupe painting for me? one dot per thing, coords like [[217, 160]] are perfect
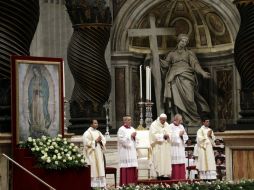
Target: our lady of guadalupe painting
[[37, 85]]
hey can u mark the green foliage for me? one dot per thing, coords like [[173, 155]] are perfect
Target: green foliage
[[215, 185], [55, 153]]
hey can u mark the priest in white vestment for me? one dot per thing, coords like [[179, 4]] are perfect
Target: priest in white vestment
[[160, 136], [94, 146], [179, 137], [205, 142], [128, 161]]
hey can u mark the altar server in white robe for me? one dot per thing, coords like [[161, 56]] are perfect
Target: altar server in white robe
[[179, 137], [128, 162], [160, 135], [94, 146], [205, 142]]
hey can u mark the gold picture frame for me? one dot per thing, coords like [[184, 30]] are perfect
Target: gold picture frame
[[37, 97]]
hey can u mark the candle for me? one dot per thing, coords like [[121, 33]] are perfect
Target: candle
[[140, 76], [63, 80], [150, 94], [147, 83]]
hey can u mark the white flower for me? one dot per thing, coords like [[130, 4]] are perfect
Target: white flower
[[58, 139], [59, 135], [69, 152], [29, 139], [55, 153], [44, 157]]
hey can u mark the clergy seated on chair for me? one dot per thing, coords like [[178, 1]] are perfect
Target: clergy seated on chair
[[191, 170]]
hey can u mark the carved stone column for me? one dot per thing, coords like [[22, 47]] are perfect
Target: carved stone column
[[244, 60], [18, 22], [91, 22]]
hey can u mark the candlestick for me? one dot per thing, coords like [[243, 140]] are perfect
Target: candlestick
[[140, 76], [106, 106], [149, 114], [141, 120]]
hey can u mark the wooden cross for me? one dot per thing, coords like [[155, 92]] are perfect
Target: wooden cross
[[153, 32]]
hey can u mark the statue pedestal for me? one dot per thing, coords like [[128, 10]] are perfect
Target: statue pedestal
[[239, 150]]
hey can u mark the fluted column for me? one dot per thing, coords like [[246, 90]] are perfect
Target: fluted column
[[18, 22], [91, 22], [244, 60]]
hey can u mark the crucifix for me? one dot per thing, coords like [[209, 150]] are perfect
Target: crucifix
[[153, 32]]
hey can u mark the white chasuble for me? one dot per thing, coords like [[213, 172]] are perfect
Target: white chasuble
[[161, 149], [94, 156], [206, 161]]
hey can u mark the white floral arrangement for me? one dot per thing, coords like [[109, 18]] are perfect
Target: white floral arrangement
[[195, 185], [55, 153]]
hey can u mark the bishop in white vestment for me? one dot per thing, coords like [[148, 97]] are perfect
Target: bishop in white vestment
[[206, 161], [128, 161], [94, 145], [160, 135]]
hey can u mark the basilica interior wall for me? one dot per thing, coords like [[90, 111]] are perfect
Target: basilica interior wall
[[54, 32], [212, 26]]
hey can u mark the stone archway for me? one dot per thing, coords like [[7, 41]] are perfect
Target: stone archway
[[212, 41]]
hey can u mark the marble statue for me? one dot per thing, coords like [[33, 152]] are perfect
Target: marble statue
[[181, 86]]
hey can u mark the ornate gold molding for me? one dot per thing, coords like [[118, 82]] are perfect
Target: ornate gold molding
[[242, 2]]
